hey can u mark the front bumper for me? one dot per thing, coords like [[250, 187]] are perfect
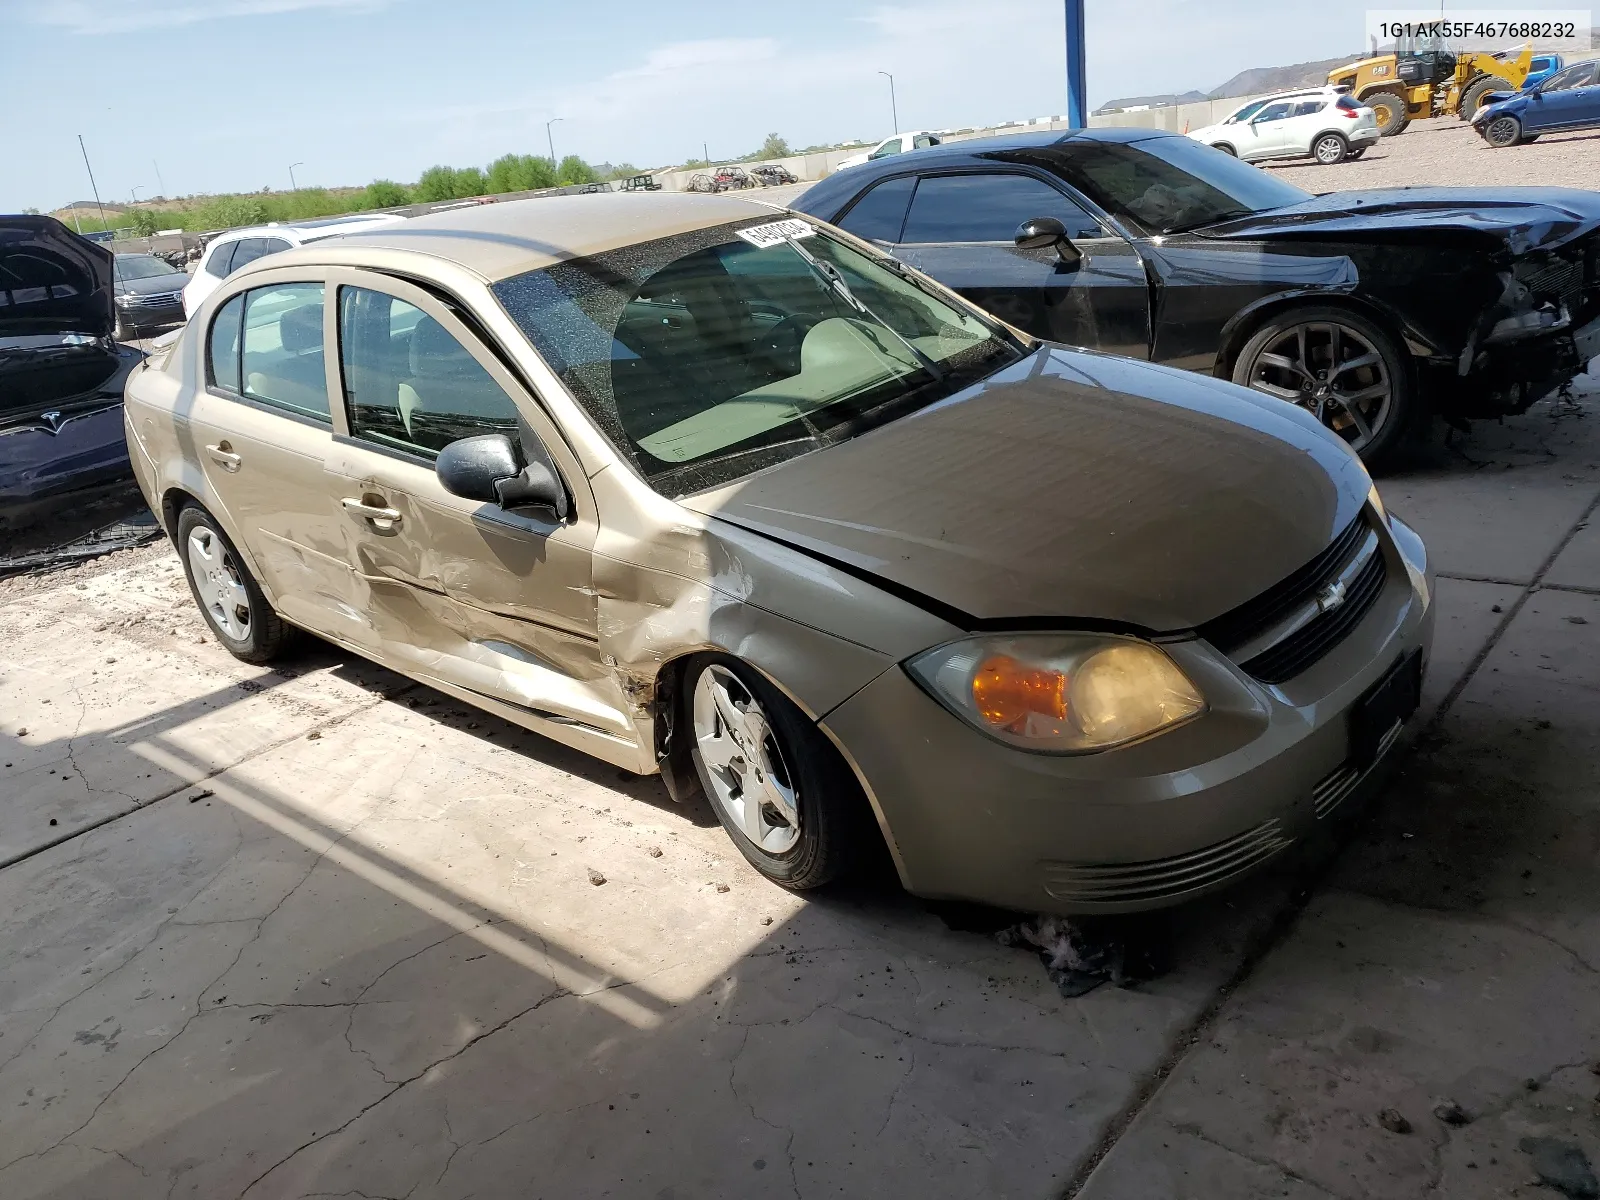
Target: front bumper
[[1145, 826], [152, 316]]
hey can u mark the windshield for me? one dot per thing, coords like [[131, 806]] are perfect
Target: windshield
[[709, 355], [1171, 184], [142, 266]]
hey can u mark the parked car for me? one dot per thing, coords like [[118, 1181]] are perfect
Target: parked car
[[149, 295], [1320, 123], [229, 251], [1569, 99], [710, 489], [1540, 68], [899, 143], [61, 373], [1368, 308]]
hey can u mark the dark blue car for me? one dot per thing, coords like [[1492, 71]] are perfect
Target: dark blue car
[[1569, 99]]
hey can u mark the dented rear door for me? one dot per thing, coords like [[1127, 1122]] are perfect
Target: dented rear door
[[498, 603]]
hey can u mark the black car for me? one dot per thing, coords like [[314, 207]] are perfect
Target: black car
[[1368, 308], [149, 295], [61, 373]]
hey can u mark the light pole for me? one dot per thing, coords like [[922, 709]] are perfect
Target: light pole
[[293, 186], [133, 195], [551, 140], [893, 111], [160, 183]]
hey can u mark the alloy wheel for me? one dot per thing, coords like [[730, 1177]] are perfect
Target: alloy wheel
[[1333, 372], [216, 580], [1503, 131], [1329, 150], [743, 763]]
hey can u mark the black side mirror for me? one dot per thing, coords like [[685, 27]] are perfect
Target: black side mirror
[[486, 467], [1041, 233]]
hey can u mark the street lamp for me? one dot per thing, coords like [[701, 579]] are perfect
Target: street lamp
[[293, 186], [133, 195], [551, 140], [893, 112]]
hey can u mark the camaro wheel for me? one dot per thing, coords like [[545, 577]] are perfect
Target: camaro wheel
[[1503, 131], [1338, 366], [226, 592], [778, 786], [1329, 149]]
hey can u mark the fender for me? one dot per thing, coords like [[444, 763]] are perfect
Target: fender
[[1238, 328]]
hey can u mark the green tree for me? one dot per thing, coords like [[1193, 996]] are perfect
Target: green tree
[[228, 212], [469, 181], [624, 171], [574, 170], [775, 147], [384, 193], [437, 183], [145, 222], [518, 173]]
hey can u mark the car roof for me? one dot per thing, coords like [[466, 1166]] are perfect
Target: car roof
[[495, 241], [319, 227]]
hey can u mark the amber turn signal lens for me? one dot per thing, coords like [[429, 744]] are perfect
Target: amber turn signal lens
[[1008, 693]]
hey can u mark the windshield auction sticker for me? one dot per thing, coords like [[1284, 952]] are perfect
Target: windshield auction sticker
[[775, 232], [1477, 31]]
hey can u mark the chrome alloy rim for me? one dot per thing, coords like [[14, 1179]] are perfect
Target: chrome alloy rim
[[216, 580], [1331, 371], [1328, 150], [741, 761]]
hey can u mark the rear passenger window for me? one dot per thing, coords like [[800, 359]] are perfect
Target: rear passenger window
[[408, 383], [1307, 107], [988, 208], [881, 212], [224, 345], [218, 263], [281, 354], [248, 250]]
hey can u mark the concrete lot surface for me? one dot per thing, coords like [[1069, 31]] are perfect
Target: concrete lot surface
[[318, 931]]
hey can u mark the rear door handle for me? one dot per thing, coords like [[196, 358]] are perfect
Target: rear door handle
[[379, 516], [222, 454]]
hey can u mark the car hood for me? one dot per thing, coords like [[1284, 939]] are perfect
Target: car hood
[[152, 285], [52, 280], [1518, 219], [1073, 486]]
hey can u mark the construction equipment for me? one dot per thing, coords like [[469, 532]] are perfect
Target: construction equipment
[[1423, 78]]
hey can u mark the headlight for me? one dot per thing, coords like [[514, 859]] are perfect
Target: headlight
[[1060, 693], [125, 298]]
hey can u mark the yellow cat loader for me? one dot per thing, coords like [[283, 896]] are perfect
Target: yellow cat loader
[[1425, 79]]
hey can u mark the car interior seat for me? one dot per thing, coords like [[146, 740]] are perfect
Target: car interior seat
[[447, 382], [295, 375]]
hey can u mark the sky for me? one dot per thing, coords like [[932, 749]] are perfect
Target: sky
[[201, 96]]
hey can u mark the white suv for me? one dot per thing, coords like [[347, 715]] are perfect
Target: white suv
[[1320, 123], [900, 143], [229, 251]]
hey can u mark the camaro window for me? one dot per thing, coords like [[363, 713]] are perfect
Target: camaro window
[[280, 356], [707, 356], [408, 383], [880, 214], [988, 208], [1170, 184]]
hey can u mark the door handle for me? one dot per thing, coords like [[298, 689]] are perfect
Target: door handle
[[222, 454], [379, 516]]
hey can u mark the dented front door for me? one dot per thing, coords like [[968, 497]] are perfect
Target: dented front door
[[498, 603]]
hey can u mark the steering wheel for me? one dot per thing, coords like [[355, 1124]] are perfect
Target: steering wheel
[[783, 340]]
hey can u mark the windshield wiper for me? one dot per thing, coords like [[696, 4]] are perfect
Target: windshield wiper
[[833, 280]]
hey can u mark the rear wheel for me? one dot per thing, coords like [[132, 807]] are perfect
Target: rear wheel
[[778, 787], [1225, 148], [1473, 96], [1389, 110], [1503, 131], [227, 594], [1329, 149], [1340, 367]]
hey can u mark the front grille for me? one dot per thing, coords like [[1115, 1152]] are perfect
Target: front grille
[[156, 300], [1553, 279], [1286, 628], [1161, 879], [1335, 788]]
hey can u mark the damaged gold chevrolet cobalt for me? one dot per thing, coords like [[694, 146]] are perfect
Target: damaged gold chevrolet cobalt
[[709, 488]]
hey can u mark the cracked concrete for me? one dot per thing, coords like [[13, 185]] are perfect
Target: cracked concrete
[[249, 962]]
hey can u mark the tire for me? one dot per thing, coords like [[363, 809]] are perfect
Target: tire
[[1474, 94], [226, 593], [1503, 131], [1390, 110], [1371, 404], [1225, 148], [1329, 149], [819, 825]]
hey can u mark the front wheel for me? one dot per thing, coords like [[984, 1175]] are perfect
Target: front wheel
[[227, 594], [1329, 149], [779, 788], [1226, 149], [1340, 367], [1503, 131]]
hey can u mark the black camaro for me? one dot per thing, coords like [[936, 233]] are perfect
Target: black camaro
[[1368, 308]]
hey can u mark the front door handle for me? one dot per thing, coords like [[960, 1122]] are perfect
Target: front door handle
[[381, 517], [222, 454]]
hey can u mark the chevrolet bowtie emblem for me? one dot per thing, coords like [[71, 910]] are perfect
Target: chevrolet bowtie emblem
[[1330, 597]]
